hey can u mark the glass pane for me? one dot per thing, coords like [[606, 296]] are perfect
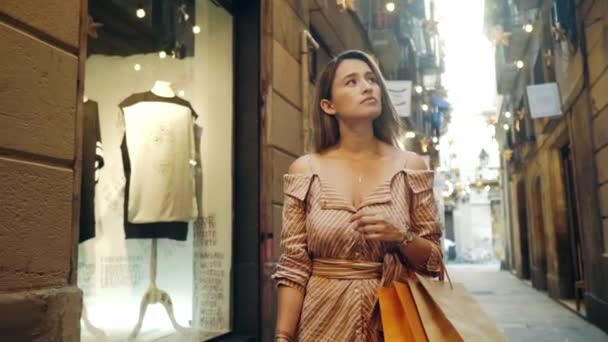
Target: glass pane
[[161, 89]]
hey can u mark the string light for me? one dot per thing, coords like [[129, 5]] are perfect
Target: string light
[[508, 115], [435, 140], [140, 12], [410, 135], [196, 29], [506, 127], [162, 55], [418, 89], [137, 67], [390, 6], [424, 107], [519, 64], [528, 28]]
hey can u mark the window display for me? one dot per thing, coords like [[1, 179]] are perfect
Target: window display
[[155, 264]]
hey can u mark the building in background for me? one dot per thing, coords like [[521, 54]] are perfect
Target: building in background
[[552, 74]]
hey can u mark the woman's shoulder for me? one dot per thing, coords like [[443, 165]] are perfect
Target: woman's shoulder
[[413, 161], [301, 166], [296, 182]]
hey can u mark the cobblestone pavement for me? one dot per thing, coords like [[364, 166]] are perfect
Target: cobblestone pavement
[[522, 312]]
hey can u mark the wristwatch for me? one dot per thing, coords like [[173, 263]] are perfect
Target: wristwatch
[[409, 237]]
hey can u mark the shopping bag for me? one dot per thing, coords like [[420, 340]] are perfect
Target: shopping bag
[[446, 313], [400, 319], [460, 309]]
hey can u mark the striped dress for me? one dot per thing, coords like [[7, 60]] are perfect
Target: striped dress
[[316, 228]]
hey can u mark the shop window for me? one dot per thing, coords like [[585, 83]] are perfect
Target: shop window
[[159, 99]]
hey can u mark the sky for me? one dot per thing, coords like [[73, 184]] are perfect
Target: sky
[[470, 80]]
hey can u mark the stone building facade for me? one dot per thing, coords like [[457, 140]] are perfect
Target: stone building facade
[[40, 129], [556, 167]]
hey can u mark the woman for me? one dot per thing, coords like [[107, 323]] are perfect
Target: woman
[[358, 214]]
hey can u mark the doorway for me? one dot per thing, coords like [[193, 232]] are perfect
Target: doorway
[[575, 266], [539, 265], [522, 218]]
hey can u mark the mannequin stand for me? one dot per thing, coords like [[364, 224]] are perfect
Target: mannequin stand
[[154, 295], [98, 333]]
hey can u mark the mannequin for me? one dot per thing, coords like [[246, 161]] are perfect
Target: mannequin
[[92, 162], [158, 204], [163, 89]]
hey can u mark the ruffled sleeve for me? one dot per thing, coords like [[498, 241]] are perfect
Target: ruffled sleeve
[[424, 218], [294, 267]]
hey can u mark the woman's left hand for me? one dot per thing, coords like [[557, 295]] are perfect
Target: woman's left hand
[[375, 226]]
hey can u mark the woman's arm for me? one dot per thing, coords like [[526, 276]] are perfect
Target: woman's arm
[[289, 309], [295, 266], [423, 252]]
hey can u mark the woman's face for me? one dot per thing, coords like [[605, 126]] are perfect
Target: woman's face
[[355, 92]]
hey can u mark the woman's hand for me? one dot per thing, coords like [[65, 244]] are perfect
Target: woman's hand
[[375, 226]]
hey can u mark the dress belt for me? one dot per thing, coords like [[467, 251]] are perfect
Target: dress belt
[[346, 269]]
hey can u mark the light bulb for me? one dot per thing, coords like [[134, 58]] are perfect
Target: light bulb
[[390, 6], [435, 140], [141, 13], [410, 135], [437, 148], [418, 89], [507, 115], [196, 29], [487, 188], [137, 67], [506, 127], [528, 28], [424, 107], [162, 54], [519, 64]]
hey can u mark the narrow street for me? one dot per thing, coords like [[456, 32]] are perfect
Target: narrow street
[[522, 312]]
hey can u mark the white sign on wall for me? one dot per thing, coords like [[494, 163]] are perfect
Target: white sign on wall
[[544, 100], [400, 93]]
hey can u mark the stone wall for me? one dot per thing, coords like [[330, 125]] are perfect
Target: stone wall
[[594, 17], [40, 133]]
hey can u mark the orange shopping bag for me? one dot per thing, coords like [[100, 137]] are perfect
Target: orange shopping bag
[[421, 309], [400, 318]]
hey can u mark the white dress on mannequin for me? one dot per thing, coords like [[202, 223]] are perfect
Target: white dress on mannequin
[[160, 140]]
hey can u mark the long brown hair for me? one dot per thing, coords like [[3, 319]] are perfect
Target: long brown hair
[[387, 127]]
